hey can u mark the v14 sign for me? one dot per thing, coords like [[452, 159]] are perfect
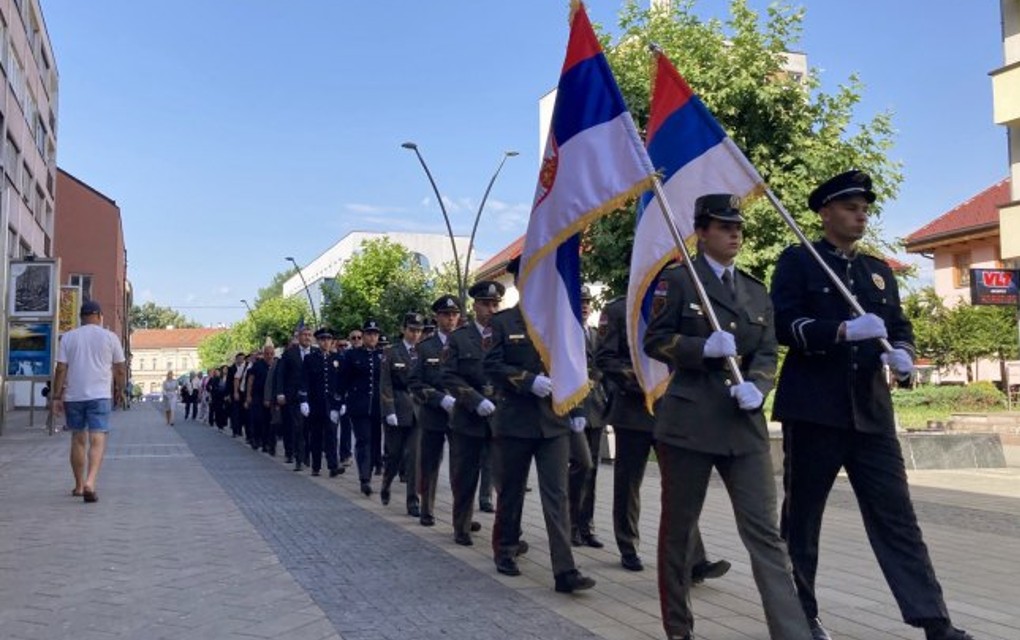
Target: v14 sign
[[999, 287]]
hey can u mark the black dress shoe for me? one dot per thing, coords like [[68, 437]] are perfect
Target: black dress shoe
[[591, 541], [818, 632], [632, 562], [522, 547], [366, 488], [427, 521], [486, 507], [298, 467], [573, 580], [384, 495], [413, 510], [508, 567], [335, 472], [463, 539], [315, 472], [476, 526], [575, 539], [378, 471], [709, 570], [946, 631]]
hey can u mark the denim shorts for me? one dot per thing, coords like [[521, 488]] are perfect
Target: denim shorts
[[93, 415]]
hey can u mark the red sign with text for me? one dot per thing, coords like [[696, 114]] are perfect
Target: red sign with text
[[995, 287]]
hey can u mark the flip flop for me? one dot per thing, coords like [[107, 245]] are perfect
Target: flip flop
[[76, 493], [89, 495]]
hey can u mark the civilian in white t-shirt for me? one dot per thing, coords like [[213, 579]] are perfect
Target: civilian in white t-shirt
[[90, 372]]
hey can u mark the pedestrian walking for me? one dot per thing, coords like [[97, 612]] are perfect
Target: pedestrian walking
[[91, 372], [402, 433], [359, 388], [171, 391]]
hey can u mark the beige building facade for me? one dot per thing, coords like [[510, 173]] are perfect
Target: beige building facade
[[1006, 110], [156, 351]]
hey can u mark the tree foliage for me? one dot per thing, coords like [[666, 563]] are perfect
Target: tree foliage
[[275, 287], [795, 134], [152, 316], [382, 281]]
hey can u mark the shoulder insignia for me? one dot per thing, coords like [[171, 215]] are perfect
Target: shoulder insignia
[[879, 281], [750, 277]]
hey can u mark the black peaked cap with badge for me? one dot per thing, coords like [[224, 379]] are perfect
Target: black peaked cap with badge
[[414, 320], [446, 304], [719, 206], [586, 293], [323, 332], [487, 290], [371, 325], [845, 185]]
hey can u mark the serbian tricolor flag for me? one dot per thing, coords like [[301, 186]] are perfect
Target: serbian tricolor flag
[[593, 163], [694, 157]]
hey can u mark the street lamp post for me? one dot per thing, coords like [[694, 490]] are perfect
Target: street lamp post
[[308, 292], [461, 280], [481, 206], [245, 303]]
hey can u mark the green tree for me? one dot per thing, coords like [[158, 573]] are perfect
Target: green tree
[[927, 313], [218, 349], [276, 318], [152, 316], [382, 281], [275, 287], [976, 332], [795, 134]]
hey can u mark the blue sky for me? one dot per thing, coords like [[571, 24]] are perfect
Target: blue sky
[[236, 132]]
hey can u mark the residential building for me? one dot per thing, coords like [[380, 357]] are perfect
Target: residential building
[[156, 351], [1006, 110], [430, 250], [90, 246]]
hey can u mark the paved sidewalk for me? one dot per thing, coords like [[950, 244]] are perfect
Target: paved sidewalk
[[198, 536]]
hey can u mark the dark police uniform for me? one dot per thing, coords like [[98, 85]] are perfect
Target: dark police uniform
[[359, 386], [700, 426], [585, 448], [401, 440], [429, 392], [836, 411], [318, 386], [467, 381]]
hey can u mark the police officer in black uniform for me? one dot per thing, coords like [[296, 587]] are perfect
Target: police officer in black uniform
[[359, 386], [836, 408], [633, 429], [318, 386], [434, 405], [402, 431]]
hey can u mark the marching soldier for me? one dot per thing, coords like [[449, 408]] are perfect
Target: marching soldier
[[402, 432], [526, 429], [585, 445], [633, 429], [836, 408], [321, 409], [359, 385], [705, 420], [465, 380], [433, 402]]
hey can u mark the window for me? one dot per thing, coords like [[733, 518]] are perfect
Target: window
[[961, 270], [83, 281], [141, 364]]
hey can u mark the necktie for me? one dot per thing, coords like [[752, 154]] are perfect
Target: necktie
[[727, 279], [486, 338]]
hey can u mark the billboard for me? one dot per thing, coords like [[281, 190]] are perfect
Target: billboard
[[995, 287], [29, 349]]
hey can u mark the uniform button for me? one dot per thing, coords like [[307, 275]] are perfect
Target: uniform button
[[855, 366], [727, 382], [733, 325], [825, 289]]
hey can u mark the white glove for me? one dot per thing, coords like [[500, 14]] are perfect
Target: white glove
[[721, 344], [447, 403], [542, 386], [578, 424], [865, 327], [305, 409], [391, 419], [343, 409], [334, 416], [748, 396], [899, 361], [485, 408]]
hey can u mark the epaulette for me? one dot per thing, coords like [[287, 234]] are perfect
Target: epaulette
[[502, 311], [750, 276]]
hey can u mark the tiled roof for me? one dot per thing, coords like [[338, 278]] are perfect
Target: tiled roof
[[496, 265], [169, 338], [978, 212]]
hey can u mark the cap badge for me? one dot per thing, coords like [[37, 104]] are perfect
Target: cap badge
[[879, 281], [734, 202]]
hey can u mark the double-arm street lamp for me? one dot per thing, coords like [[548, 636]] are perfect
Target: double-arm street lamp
[[462, 276], [308, 292]]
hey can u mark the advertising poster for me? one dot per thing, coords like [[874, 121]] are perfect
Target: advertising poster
[[994, 287], [70, 305], [29, 349], [31, 289]]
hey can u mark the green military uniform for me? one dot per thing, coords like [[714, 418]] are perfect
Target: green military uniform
[[700, 426]]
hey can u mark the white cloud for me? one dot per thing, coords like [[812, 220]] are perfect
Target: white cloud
[[223, 290], [146, 295], [405, 224]]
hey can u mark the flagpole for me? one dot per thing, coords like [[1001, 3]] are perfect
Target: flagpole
[[706, 303], [836, 281]]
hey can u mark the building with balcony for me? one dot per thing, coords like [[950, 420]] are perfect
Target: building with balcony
[[1006, 111]]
